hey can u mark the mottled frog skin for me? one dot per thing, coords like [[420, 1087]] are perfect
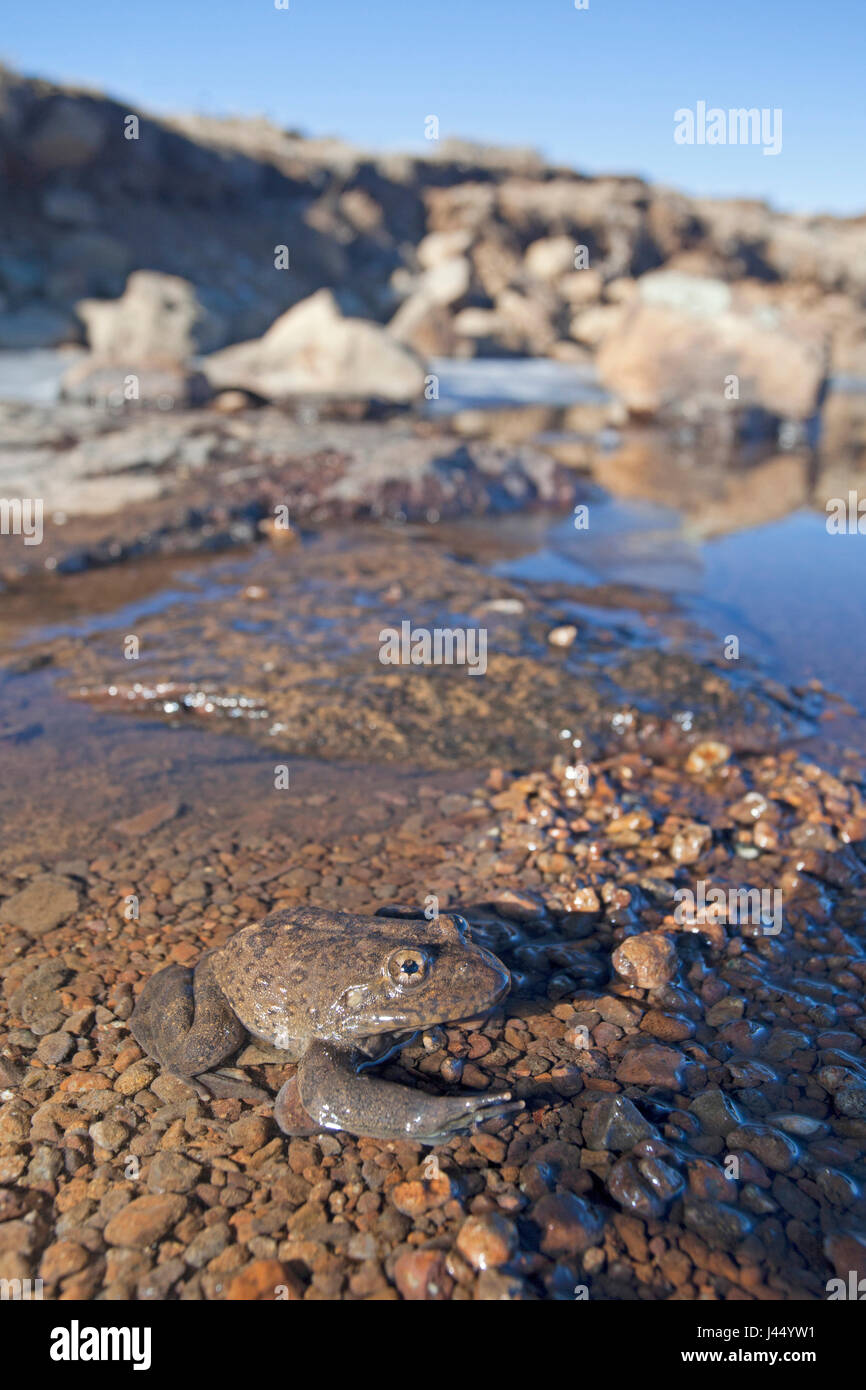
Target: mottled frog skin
[[338, 993]]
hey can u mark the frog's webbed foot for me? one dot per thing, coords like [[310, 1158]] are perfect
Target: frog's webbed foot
[[469, 1112], [184, 1021], [334, 1096]]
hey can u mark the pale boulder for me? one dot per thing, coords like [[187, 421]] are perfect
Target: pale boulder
[[159, 319], [682, 340], [313, 349], [550, 257]]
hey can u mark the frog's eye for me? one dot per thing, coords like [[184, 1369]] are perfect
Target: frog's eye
[[407, 966]]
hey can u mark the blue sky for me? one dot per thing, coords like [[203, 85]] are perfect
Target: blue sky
[[595, 89]]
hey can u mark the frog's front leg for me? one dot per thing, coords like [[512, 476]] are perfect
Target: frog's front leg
[[184, 1021], [335, 1096]]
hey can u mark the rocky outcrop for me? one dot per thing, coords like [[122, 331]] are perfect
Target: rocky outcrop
[[467, 252]]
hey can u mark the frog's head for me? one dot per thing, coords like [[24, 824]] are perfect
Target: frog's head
[[401, 974]]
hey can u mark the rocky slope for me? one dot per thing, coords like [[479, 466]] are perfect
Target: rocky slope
[[465, 252]]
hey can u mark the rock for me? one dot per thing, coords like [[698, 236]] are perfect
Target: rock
[[652, 1066], [568, 1224], [716, 1222], [487, 1241], [850, 1099], [422, 1195], [144, 1220], [41, 906], [716, 1112], [846, 1251], [136, 1077], [170, 1171], [562, 636], [55, 1048], [93, 382], [69, 133], [313, 350], [421, 1275], [672, 350], [644, 1186], [159, 319], [109, 1134], [550, 257], [149, 820], [775, 1150], [442, 246], [614, 1122], [707, 756], [264, 1281], [70, 207], [62, 1258], [444, 282], [646, 961]]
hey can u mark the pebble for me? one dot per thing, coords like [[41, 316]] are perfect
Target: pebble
[[422, 1275], [487, 1241], [55, 1048], [144, 1220], [771, 1148], [568, 1224], [614, 1122], [646, 961], [41, 906], [707, 756]]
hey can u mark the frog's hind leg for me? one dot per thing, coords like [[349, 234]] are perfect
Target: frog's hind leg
[[183, 1020]]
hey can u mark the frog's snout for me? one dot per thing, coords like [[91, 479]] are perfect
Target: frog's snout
[[496, 975]]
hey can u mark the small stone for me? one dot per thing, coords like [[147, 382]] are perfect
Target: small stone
[[109, 1134], [41, 906], [486, 1241], [421, 1195], [170, 1171], [421, 1275], [716, 1222], [137, 827], [55, 1048], [62, 1258], [646, 961], [136, 1077], [615, 1122], [706, 756], [563, 636], [645, 1186], [717, 1114], [251, 1131], [651, 1066], [568, 1224], [264, 1281], [775, 1150], [144, 1220]]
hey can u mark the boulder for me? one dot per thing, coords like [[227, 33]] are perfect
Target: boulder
[[313, 349], [70, 133], [550, 257], [158, 319], [683, 337]]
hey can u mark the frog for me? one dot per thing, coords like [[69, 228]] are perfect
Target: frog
[[339, 994]]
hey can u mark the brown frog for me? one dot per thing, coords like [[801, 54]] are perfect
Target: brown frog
[[339, 993]]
